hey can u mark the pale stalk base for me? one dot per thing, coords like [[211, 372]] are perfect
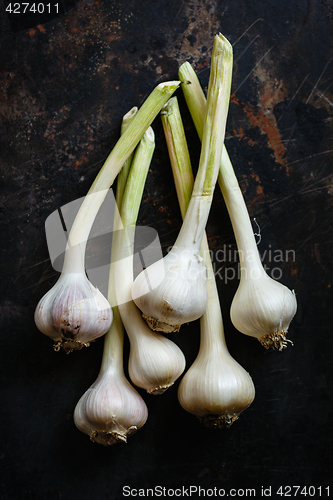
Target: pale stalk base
[[69, 345], [109, 438], [159, 390], [159, 326], [276, 340], [218, 421]]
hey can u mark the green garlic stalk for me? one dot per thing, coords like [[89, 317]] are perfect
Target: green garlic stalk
[[262, 307], [173, 290]]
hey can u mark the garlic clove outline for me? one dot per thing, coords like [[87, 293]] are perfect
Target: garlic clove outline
[[73, 312], [110, 410]]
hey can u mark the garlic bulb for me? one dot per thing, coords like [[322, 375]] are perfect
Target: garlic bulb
[[155, 362], [111, 409], [173, 291], [262, 307], [73, 313], [180, 296], [216, 388]]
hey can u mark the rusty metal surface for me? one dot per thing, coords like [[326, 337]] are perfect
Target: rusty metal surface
[[64, 87]]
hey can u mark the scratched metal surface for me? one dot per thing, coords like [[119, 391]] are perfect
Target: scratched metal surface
[[65, 85]]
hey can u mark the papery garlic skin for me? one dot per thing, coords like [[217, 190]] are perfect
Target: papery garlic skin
[[180, 297], [263, 308], [110, 410], [73, 313]]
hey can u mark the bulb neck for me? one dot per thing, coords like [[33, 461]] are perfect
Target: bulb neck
[[212, 337], [113, 345], [74, 258], [193, 227]]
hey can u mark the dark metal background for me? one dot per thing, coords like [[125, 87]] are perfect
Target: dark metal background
[[64, 86]]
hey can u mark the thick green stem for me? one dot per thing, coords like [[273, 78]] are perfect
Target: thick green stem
[[212, 142], [129, 212], [234, 200]]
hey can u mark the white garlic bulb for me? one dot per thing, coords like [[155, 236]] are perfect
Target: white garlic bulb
[[216, 388], [111, 409], [172, 291], [73, 313], [263, 308], [155, 362]]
